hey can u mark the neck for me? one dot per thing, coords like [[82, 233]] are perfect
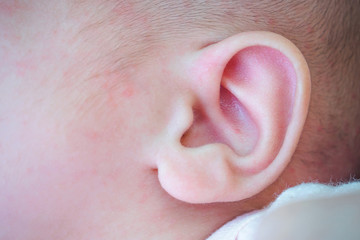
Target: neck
[[148, 212], [186, 222], [163, 217]]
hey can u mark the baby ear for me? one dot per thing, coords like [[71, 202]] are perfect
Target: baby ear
[[251, 96]]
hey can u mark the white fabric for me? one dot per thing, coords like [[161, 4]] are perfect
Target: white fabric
[[307, 211]]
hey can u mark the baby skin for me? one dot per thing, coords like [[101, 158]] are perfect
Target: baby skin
[[118, 120]]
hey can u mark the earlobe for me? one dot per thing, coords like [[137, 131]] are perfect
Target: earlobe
[[252, 94]]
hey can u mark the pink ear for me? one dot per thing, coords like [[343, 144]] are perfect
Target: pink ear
[[263, 83], [240, 123], [250, 100], [252, 67], [257, 92]]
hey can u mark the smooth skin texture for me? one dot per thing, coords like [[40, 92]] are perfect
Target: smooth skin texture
[[164, 142]]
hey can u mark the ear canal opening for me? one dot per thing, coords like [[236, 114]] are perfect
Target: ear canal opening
[[201, 132], [237, 129]]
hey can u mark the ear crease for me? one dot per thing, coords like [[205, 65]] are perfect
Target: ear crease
[[262, 84], [243, 131]]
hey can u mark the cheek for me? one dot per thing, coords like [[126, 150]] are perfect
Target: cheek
[[105, 124], [55, 168], [48, 189], [37, 188]]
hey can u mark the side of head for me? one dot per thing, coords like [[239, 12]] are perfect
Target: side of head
[[326, 35], [130, 112]]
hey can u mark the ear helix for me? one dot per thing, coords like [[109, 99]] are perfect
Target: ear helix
[[263, 86]]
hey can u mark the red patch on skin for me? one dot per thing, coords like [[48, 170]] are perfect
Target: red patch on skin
[[115, 89], [29, 170], [271, 22], [320, 128], [310, 29], [206, 63], [92, 135], [93, 172], [11, 7], [24, 66], [128, 92]]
